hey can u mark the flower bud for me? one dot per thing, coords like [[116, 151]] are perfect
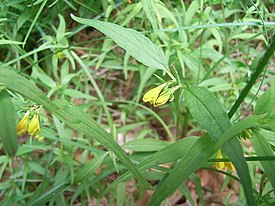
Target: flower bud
[[22, 126], [34, 126], [219, 165], [152, 95], [222, 165], [162, 99], [230, 166]]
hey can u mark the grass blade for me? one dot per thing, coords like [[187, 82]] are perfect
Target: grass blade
[[49, 195], [262, 64]]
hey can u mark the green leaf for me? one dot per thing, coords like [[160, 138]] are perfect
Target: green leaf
[[77, 94], [49, 195], [145, 145], [121, 196], [193, 8], [247, 36], [135, 43], [131, 15], [70, 115], [9, 42], [193, 64], [266, 103], [209, 113], [39, 73], [263, 148], [148, 7], [88, 169], [7, 124], [4, 161]]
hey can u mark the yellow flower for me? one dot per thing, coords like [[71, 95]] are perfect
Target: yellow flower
[[230, 166], [219, 165], [22, 126], [162, 99], [34, 126], [222, 165], [153, 94]]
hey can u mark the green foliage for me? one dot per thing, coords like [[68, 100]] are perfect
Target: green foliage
[[136, 44], [7, 122], [82, 67]]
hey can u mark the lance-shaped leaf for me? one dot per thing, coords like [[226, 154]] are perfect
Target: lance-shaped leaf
[[135, 43]]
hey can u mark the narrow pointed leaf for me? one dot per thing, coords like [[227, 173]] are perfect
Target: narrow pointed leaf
[[49, 195], [135, 43]]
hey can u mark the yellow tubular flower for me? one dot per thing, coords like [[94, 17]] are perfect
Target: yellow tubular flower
[[219, 165], [230, 166], [34, 127], [22, 126], [162, 99], [152, 95], [222, 165]]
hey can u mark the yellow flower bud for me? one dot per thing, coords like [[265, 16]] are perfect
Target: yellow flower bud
[[162, 99], [152, 95], [34, 127], [222, 165], [219, 165], [230, 166], [22, 126]]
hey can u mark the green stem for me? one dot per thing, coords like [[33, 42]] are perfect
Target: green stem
[[263, 62]]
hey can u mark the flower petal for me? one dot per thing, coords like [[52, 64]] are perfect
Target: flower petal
[[152, 95], [219, 165], [162, 99], [22, 126], [230, 166], [34, 127]]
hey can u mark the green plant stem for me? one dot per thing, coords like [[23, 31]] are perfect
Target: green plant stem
[[215, 25], [254, 77], [34, 21]]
